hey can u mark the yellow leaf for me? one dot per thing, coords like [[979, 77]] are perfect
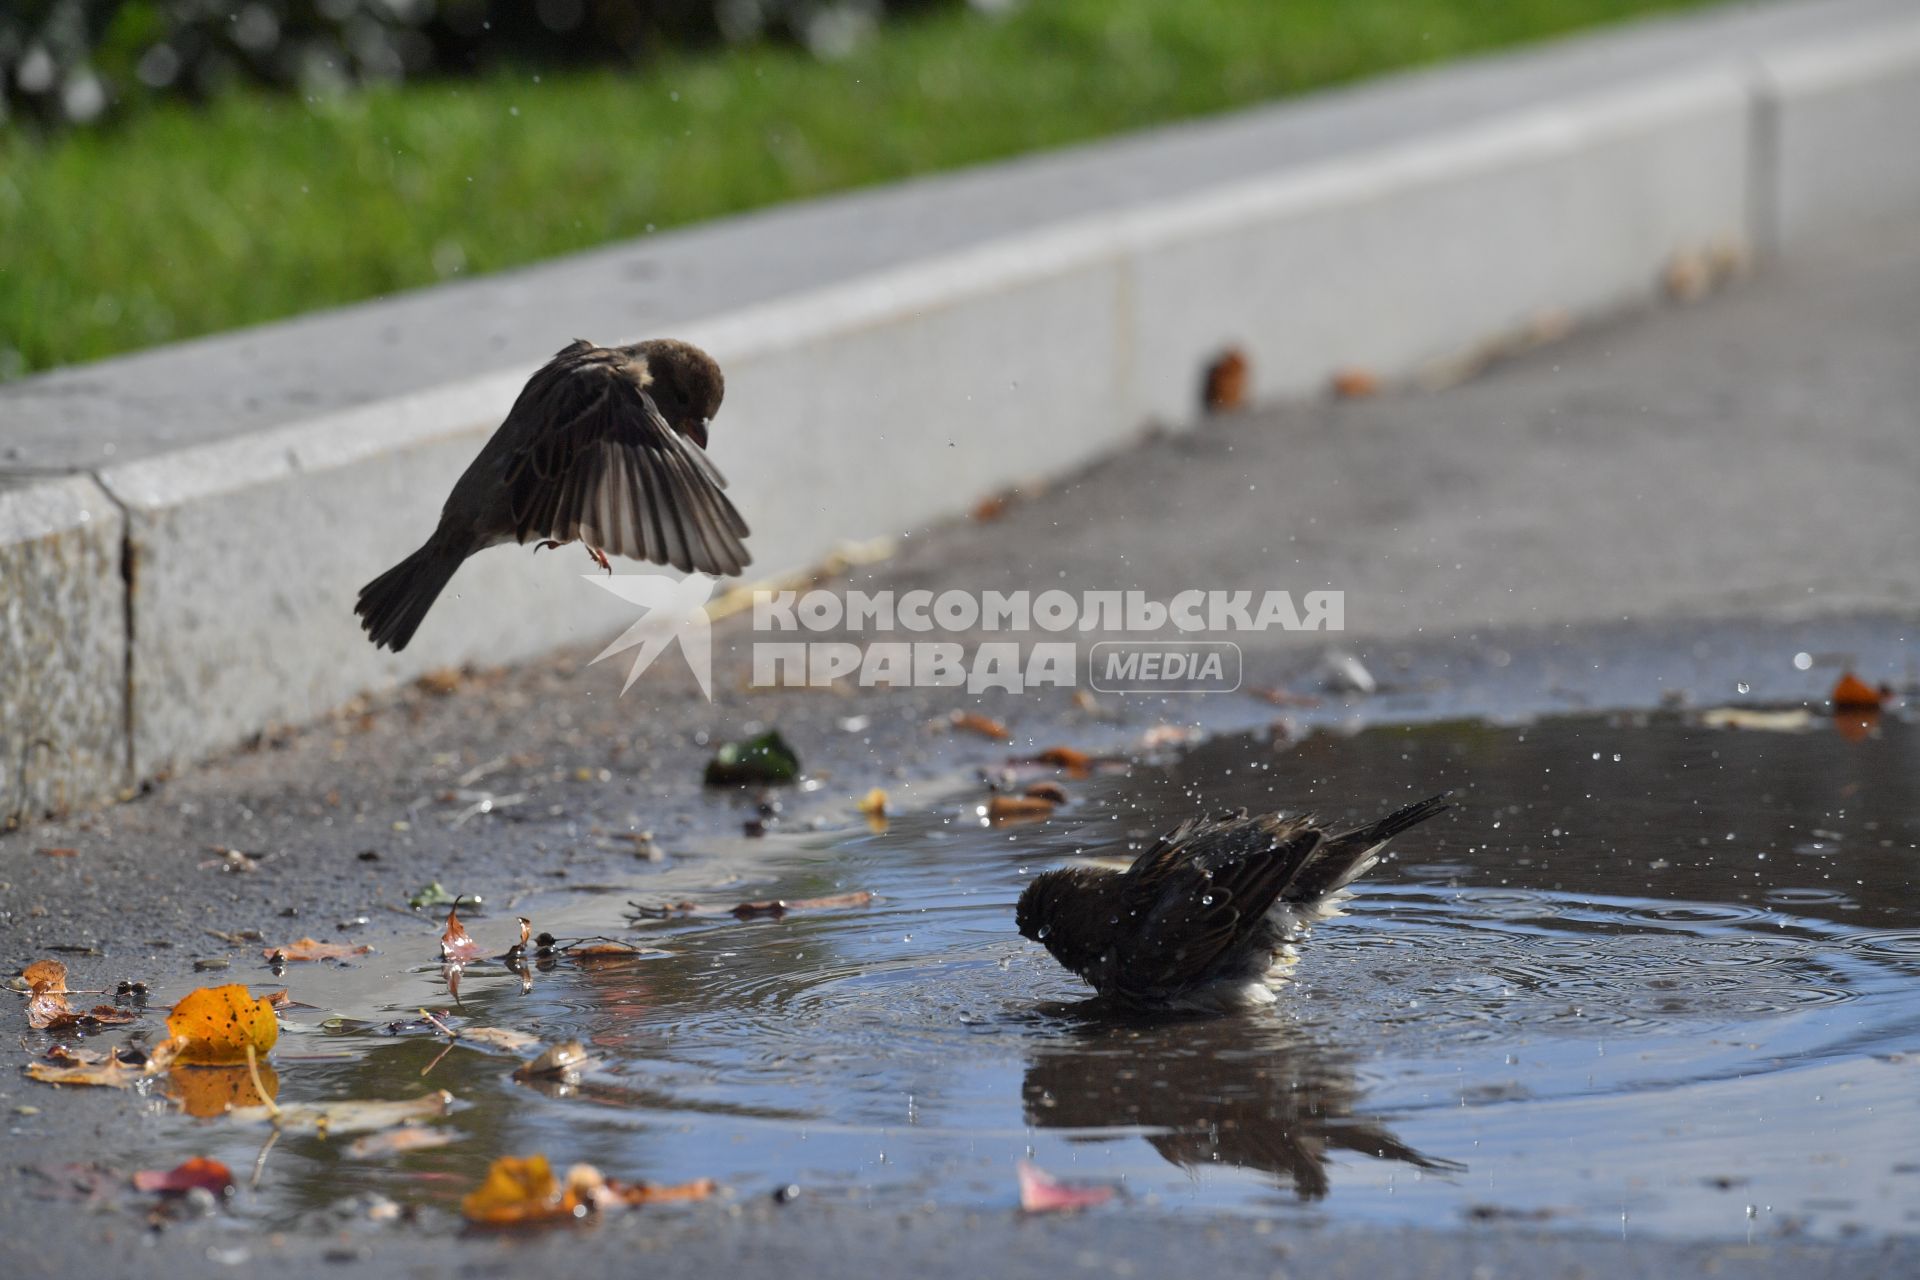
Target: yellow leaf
[[517, 1189], [216, 1025]]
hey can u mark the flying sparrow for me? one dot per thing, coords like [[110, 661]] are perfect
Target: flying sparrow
[[605, 446], [1204, 918]]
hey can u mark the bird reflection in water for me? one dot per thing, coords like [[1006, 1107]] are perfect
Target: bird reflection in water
[[1254, 1093]]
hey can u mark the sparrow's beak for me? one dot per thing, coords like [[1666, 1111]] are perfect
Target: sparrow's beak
[[697, 432]]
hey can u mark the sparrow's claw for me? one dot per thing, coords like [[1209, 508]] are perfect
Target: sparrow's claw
[[599, 557], [548, 545]]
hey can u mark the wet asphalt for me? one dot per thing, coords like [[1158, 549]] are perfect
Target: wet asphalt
[[1656, 511]]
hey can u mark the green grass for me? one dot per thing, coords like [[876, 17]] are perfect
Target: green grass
[[180, 221]]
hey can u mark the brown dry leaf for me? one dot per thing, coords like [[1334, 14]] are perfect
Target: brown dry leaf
[[990, 509], [112, 1074], [1074, 762], [47, 1007], [441, 681], [1354, 383], [457, 946], [216, 1025], [1018, 808], [60, 852], [346, 1117], [973, 722], [1227, 382], [311, 949], [195, 1171], [408, 1137], [775, 908], [613, 1193], [1852, 693]]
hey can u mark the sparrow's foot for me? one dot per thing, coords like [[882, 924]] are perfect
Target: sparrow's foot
[[548, 545], [599, 557]]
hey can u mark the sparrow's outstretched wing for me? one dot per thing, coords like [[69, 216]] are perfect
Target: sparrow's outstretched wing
[[593, 460], [1201, 891]]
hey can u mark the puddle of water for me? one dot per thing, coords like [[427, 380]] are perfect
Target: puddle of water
[[1648, 977]]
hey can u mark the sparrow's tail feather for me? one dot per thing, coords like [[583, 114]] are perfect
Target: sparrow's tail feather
[[393, 604], [1344, 858]]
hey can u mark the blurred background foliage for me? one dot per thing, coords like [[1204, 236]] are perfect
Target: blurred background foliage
[[77, 61], [286, 155]]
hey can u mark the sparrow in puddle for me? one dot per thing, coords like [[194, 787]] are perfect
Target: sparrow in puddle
[[1204, 918], [606, 446]]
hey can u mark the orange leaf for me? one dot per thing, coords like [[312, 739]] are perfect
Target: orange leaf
[[1227, 382], [1355, 384], [1074, 762], [216, 1025], [48, 974], [1018, 808], [456, 944], [302, 949], [518, 1190], [113, 1073], [196, 1171], [973, 722], [1854, 694]]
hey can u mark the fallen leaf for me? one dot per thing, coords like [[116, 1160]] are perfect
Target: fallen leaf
[[566, 1059], [112, 1074], [196, 1171], [1795, 720], [1052, 792], [1850, 694], [522, 1190], [1018, 808], [518, 1190], [498, 1038], [441, 681], [1041, 1192], [1074, 762], [973, 722], [1354, 383], [779, 907], [61, 852], [408, 1137], [310, 949], [47, 1007], [1227, 382], [431, 895], [456, 944], [216, 1025], [346, 1117], [757, 761], [874, 803], [991, 508]]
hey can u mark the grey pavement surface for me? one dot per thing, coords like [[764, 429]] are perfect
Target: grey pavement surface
[[1671, 505]]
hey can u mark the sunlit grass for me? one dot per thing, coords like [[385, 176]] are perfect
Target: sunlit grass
[[181, 221]]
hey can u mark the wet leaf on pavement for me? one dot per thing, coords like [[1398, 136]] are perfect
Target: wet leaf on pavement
[[215, 1026], [457, 946], [974, 722], [196, 1171], [353, 1116], [302, 950], [47, 1007]]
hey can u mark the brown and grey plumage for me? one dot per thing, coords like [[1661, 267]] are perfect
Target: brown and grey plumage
[[605, 446], [1203, 916]]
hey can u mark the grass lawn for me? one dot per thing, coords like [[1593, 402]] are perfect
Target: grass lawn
[[179, 221]]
